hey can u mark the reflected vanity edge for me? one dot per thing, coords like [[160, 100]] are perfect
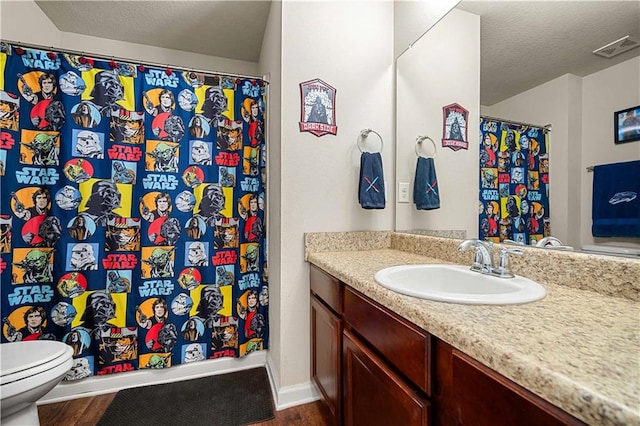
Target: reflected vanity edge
[[598, 250]]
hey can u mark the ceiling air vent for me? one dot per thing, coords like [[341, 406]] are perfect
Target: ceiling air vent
[[617, 47]]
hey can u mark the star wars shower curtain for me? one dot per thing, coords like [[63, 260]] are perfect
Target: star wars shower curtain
[[514, 182], [132, 211]]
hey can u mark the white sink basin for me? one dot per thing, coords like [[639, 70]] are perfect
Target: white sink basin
[[457, 284]]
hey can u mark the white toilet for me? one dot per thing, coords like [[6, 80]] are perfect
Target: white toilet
[[29, 370]]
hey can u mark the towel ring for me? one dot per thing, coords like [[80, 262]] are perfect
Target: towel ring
[[365, 134], [419, 141]]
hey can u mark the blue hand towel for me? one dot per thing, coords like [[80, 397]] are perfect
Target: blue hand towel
[[371, 185], [616, 200], [426, 193]]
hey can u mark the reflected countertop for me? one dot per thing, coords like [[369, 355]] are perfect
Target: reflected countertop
[[578, 349]]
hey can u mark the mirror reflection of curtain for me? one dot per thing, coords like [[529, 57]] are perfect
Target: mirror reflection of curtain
[[514, 182], [132, 223]]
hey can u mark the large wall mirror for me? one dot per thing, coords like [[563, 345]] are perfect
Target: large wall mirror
[[529, 62]]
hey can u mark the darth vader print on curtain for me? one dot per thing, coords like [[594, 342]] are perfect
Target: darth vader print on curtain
[[132, 223], [514, 182]]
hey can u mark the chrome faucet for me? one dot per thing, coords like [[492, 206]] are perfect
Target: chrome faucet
[[483, 257], [548, 241]]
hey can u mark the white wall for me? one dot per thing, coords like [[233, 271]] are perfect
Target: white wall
[[271, 64], [349, 45], [581, 113], [23, 21], [412, 19], [613, 89], [442, 68]]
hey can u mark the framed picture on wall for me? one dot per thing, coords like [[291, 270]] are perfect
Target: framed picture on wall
[[627, 125]]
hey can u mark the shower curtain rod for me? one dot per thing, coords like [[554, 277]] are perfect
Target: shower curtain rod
[[127, 60], [546, 127]]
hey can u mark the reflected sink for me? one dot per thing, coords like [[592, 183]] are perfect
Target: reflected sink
[[458, 284]]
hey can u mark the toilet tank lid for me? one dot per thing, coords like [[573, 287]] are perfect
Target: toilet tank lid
[[19, 356]]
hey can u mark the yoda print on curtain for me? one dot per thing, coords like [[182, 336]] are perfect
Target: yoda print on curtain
[[514, 182], [132, 214]]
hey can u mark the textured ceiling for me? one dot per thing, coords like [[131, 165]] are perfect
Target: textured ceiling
[[229, 29], [527, 43], [524, 43]]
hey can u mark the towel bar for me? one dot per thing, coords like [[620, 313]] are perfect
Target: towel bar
[[419, 141], [365, 134]]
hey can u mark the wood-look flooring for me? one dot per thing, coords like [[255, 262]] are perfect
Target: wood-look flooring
[[87, 412]]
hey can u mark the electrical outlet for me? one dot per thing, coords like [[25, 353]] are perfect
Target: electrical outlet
[[403, 192]]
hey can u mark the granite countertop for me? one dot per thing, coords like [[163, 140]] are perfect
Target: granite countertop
[[578, 349]]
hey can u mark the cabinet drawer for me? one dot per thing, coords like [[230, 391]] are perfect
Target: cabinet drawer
[[375, 395], [326, 288], [405, 346]]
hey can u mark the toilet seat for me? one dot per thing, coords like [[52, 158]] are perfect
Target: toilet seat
[[19, 360]]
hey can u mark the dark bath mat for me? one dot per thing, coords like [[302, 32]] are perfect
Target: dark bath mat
[[232, 399]]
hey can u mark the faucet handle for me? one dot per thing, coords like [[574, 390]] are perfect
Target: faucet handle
[[511, 250], [503, 269], [478, 262]]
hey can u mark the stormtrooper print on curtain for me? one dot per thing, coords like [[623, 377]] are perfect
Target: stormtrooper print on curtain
[[514, 182], [132, 220]]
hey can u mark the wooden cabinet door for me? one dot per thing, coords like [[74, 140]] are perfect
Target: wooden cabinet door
[[375, 395], [326, 353], [486, 398]]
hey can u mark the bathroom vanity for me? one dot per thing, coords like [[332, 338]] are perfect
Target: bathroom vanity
[[379, 357], [347, 332]]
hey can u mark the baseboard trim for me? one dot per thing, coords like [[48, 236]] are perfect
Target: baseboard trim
[[290, 396], [93, 386]]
